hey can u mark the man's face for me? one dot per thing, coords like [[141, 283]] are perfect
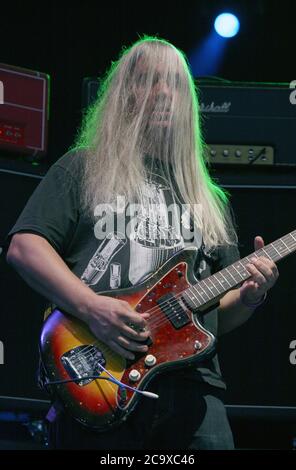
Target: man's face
[[158, 107]]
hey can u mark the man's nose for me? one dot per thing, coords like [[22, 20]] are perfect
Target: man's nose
[[166, 89], [164, 97], [162, 88]]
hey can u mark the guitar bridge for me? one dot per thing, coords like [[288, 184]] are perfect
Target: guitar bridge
[[81, 363]]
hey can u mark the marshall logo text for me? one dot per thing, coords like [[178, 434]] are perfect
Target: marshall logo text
[[215, 108]]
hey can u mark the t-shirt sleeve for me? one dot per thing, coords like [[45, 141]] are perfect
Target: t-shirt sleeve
[[52, 210]]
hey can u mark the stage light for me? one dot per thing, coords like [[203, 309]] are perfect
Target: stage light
[[226, 25]]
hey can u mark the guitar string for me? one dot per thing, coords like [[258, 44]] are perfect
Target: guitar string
[[162, 320], [159, 320], [113, 353], [174, 302]]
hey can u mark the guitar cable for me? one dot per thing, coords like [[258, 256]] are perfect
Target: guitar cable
[[111, 378]]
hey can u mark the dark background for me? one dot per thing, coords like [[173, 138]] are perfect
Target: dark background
[[73, 40]]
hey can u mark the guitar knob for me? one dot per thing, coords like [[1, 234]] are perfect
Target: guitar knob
[[197, 345], [150, 360], [134, 375]]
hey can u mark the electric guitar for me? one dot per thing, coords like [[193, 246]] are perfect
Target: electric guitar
[[98, 386]]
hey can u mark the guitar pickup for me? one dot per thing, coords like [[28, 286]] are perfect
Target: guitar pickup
[[174, 310]]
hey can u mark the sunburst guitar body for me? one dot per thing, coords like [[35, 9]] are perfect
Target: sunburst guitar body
[[71, 354], [99, 387]]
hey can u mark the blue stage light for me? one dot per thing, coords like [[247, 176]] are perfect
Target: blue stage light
[[226, 25]]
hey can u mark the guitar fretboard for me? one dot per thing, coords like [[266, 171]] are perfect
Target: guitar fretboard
[[228, 278]]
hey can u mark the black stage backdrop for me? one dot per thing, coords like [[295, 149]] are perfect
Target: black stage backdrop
[[71, 41]]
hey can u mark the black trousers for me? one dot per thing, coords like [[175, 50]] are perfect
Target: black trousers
[[188, 415]]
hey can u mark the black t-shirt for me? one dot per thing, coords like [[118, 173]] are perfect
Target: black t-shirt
[[120, 248]]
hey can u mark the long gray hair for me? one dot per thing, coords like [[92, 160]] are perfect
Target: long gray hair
[[125, 124]]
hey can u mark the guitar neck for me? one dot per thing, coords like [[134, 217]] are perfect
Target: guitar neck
[[228, 278]]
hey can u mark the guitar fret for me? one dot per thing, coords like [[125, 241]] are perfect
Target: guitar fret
[[238, 272], [192, 300], [225, 278], [273, 252], [275, 249], [231, 276], [282, 248], [285, 245], [202, 300], [200, 284], [287, 240], [245, 272], [264, 251], [217, 279], [226, 269], [210, 280]]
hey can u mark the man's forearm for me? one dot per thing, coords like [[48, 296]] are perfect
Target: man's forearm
[[232, 312], [45, 271]]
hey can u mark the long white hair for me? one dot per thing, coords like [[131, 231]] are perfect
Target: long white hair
[[125, 124]]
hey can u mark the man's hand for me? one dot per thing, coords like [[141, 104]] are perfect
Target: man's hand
[[112, 321], [115, 323], [264, 275]]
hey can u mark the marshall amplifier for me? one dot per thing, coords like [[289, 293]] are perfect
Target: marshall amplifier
[[251, 124], [24, 109], [243, 123]]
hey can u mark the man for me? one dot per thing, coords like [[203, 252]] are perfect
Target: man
[[139, 144]]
